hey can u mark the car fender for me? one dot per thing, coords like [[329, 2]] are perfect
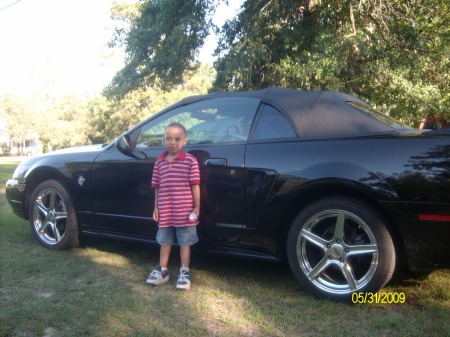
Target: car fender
[[294, 190], [73, 175]]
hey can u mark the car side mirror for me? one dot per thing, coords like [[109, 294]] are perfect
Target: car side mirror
[[123, 144]]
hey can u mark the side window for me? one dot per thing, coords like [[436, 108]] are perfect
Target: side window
[[208, 121], [272, 124]]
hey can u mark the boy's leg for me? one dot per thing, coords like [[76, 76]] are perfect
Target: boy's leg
[[166, 238], [184, 278], [160, 274], [186, 236], [164, 255], [185, 255]]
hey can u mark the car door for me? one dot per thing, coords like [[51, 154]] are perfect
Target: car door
[[217, 131], [270, 134]]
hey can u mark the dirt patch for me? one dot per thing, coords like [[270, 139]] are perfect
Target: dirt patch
[[49, 332], [44, 294]]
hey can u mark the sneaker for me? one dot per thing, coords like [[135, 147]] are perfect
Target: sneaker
[[158, 276], [184, 279]]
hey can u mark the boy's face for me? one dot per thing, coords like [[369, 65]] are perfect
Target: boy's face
[[174, 139]]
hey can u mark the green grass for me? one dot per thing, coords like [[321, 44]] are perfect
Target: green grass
[[7, 168], [99, 290]]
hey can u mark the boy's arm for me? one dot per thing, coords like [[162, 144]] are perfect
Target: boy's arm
[[196, 195], [155, 209]]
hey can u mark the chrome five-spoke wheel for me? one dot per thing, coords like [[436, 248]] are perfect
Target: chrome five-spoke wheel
[[337, 246], [52, 216]]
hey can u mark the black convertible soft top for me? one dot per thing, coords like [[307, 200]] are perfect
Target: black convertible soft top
[[315, 114]]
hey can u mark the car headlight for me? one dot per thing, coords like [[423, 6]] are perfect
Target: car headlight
[[20, 172], [16, 173]]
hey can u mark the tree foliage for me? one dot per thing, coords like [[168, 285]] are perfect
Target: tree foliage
[[56, 122], [59, 122], [161, 42], [394, 53], [112, 116]]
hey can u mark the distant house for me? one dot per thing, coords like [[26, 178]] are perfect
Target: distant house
[[28, 146]]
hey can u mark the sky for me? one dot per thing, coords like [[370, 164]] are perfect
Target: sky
[[62, 45]]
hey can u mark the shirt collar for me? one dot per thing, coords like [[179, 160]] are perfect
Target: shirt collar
[[181, 156]]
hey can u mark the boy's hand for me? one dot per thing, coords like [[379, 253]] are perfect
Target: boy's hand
[[155, 214], [196, 212]]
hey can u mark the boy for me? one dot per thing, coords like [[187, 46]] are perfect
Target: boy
[[176, 180]]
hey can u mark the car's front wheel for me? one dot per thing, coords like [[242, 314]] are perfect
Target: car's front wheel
[[337, 246], [52, 216]]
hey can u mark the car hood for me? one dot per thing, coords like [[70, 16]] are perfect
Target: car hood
[[77, 153], [84, 148]]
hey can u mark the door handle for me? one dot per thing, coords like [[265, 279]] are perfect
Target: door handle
[[216, 161]]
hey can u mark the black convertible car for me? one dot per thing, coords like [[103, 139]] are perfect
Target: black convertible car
[[346, 194]]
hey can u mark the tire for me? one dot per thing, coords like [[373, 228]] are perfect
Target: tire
[[52, 216], [337, 246]]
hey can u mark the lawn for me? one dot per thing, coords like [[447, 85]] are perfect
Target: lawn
[[100, 290], [7, 167]]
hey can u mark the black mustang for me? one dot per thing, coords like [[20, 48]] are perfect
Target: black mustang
[[346, 194]]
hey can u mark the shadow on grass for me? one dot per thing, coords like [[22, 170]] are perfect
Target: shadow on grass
[[229, 296], [224, 266], [240, 297]]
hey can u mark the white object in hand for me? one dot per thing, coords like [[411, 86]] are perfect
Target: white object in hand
[[192, 216]]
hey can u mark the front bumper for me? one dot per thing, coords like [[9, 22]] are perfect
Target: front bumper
[[15, 194]]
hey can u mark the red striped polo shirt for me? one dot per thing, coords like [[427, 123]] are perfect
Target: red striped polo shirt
[[173, 181]]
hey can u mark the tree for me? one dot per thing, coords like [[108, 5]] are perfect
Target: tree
[[114, 116], [393, 54], [161, 43], [19, 121], [56, 122]]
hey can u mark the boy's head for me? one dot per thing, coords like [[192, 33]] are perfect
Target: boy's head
[[175, 138]]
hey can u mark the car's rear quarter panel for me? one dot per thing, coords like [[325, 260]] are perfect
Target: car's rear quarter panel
[[403, 176]]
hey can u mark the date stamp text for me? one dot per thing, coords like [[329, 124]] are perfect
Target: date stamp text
[[378, 298]]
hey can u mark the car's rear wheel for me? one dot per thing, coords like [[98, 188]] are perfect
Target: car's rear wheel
[[52, 216], [337, 246]]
